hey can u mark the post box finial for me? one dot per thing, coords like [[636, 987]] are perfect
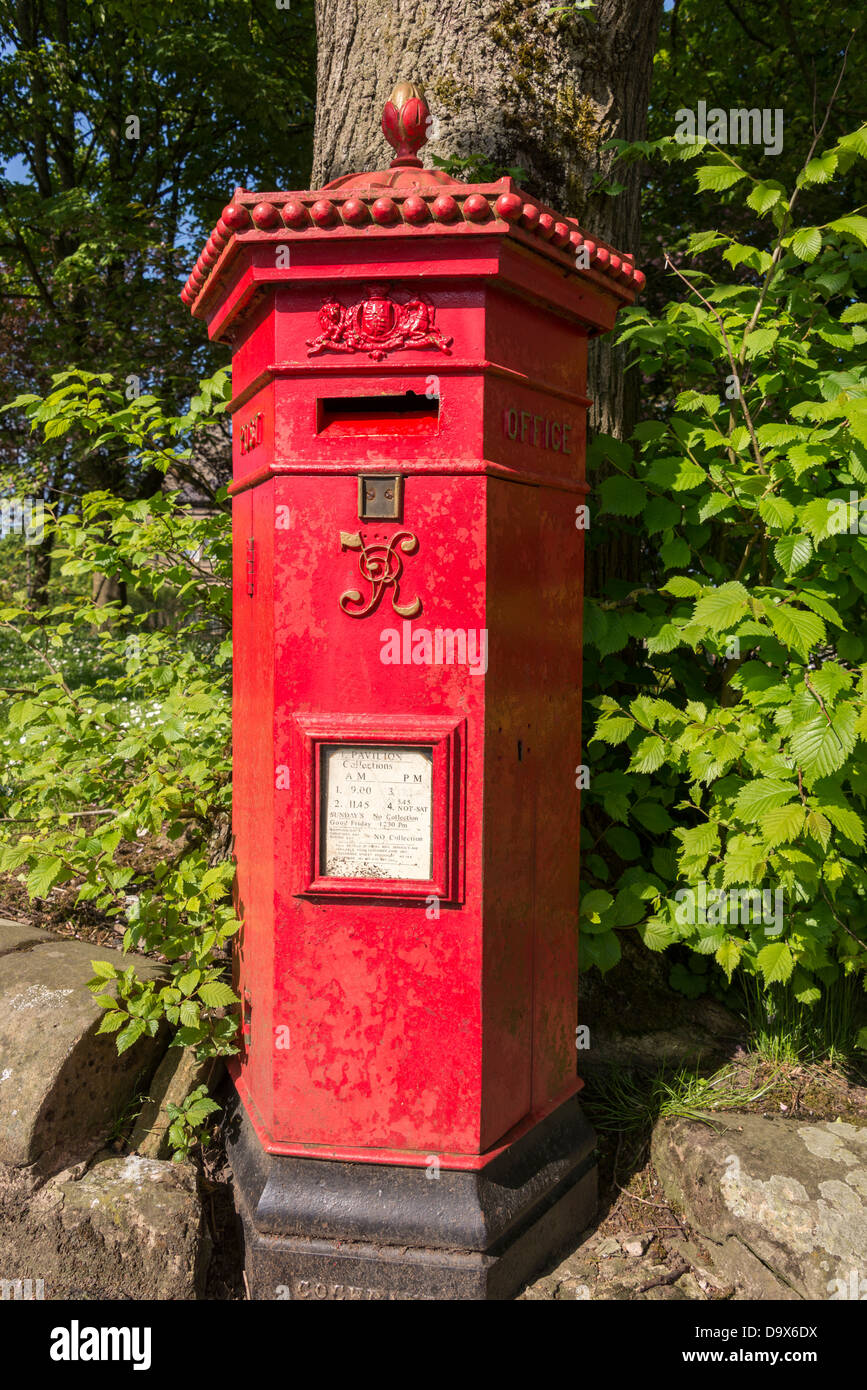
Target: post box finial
[[405, 120]]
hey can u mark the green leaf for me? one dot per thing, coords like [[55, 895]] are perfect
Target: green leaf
[[744, 854], [629, 910], [601, 950], [111, 1022], [765, 196], [199, 1111], [818, 170], [698, 242], [783, 824], [830, 681], [761, 340], [728, 955], [649, 755], [699, 841], [685, 982], [681, 586], [622, 496], [776, 511], [804, 988], [42, 876], [795, 628], [675, 553], [844, 819], [819, 827], [819, 605], [130, 1034], [653, 816], [595, 904], [824, 516], [676, 474], [614, 729], [821, 748], [852, 225], [103, 969], [189, 1014], [657, 935], [665, 639], [775, 962], [807, 243], [717, 177], [660, 514], [217, 995], [714, 504], [793, 552], [856, 141], [764, 794], [722, 607]]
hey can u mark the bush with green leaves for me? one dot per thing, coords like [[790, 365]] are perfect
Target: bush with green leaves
[[188, 1120], [729, 687], [118, 731]]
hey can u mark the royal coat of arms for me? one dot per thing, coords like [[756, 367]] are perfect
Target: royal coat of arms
[[377, 325]]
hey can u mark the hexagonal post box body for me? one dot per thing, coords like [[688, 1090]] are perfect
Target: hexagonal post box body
[[409, 369]]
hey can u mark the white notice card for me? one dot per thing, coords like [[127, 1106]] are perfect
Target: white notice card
[[377, 812]]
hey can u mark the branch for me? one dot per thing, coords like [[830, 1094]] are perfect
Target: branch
[[44, 292], [757, 453], [739, 19], [624, 602], [778, 249]]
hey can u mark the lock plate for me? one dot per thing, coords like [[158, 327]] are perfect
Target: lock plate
[[380, 496]]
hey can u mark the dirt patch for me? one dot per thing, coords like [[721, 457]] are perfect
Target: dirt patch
[[225, 1277]]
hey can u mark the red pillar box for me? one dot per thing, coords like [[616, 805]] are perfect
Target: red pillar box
[[409, 422]]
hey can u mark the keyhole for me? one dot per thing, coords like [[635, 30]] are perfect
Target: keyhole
[[520, 751]]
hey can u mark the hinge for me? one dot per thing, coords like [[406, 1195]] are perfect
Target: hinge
[[247, 1020], [251, 567]]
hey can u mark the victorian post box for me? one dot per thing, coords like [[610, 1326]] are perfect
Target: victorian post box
[[409, 360]]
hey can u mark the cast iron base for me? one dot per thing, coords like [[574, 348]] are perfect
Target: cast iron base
[[324, 1229]]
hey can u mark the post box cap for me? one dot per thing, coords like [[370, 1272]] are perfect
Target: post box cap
[[406, 199]]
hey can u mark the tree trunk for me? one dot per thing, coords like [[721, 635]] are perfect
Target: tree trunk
[[39, 572], [520, 85], [105, 589]]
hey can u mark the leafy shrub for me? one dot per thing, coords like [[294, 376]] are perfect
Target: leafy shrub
[[729, 727], [118, 733]]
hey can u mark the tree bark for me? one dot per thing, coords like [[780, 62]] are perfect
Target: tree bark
[[106, 589], [520, 85], [39, 572]]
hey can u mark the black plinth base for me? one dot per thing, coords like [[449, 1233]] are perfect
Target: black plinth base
[[320, 1229]]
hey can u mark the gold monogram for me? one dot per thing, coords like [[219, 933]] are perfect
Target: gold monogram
[[382, 567]]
